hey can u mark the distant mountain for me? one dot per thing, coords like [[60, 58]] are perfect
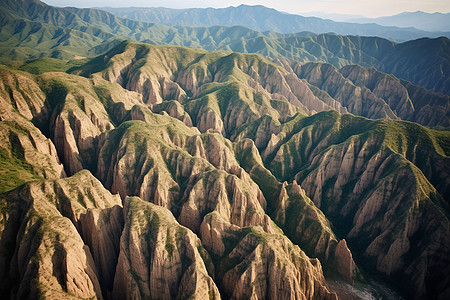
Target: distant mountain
[[419, 19], [334, 17], [262, 19], [31, 29]]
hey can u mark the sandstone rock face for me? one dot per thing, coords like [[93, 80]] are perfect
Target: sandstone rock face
[[159, 259], [344, 260], [431, 109], [78, 118], [98, 217], [261, 265], [20, 91], [175, 110], [196, 176], [26, 153], [359, 101], [24, 143], [370, 93], [61, 239], [263, 132], [172, 177], [193, 84], [43, 252], [298, 216], [362, 185], [240, 203]]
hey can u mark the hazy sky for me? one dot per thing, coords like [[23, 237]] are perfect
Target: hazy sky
[[373, 8]]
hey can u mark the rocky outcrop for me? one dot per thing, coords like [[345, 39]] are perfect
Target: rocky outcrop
[[116, 100], [357, 100], [154, 81], [362, 187], [61, 239], [64, 107], [19, 91], [78, 118], [383, 86], [260, 131], [250, 85], [26, 154], [408, 101], [201, 181], [144, 159], [257, 264], [42, 247], [239, 201], [175, 110], [345, 265], [302, 222], [187, 173], [261, 87], [98, 217], [159, 259], [222, 144]]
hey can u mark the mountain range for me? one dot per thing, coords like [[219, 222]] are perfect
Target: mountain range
[[419, 19], [264, 19], [134, 170], [67, 33]]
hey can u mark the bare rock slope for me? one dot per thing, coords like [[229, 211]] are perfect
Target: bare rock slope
[[219, 175]]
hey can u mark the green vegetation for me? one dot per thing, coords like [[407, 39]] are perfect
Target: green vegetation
[[46, 64], [14, 169], [70, 36], [169, 248], [56, 92], [259, 18]]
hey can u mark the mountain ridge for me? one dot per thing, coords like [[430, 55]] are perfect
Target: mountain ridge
[[80, 38], [215, 157], [262, 19], [426, 21]]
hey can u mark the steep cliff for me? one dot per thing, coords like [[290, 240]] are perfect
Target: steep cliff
[[169, 164], [224, 92], [359, 101], [301, 221], [218, 90], [159, 259], [370, 93], [197, 176], [63, 239], [26, 154], [230, 175], [77, 118], [360, 173], [43, 253], [410, 102], [255, 264]]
